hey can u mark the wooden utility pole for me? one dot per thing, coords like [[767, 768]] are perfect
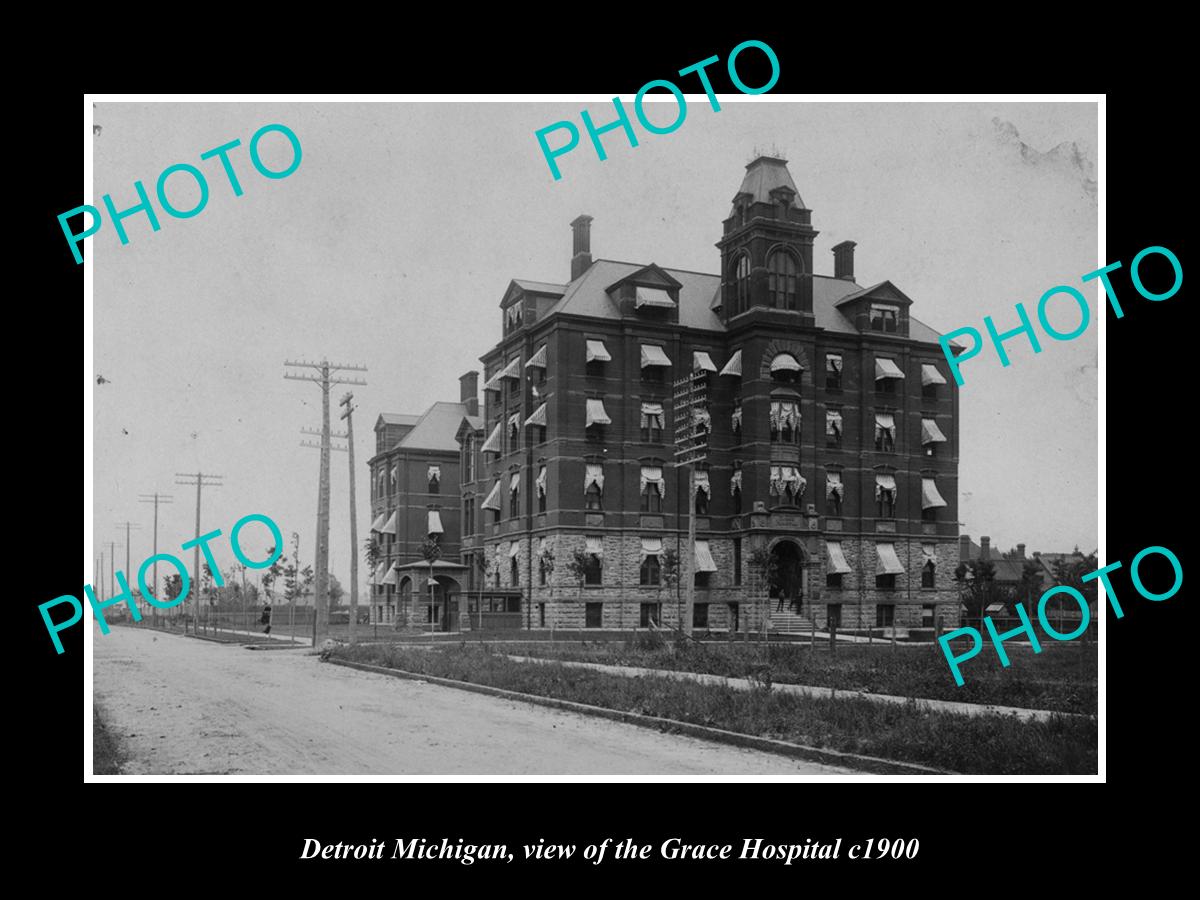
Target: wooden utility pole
[[348, 415], [321, 434], [325, 379], [202, 481], [691, 447], [129, 576], [155, 498]]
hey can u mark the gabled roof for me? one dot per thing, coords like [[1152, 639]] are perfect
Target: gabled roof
[[437, 429], [539, 287], [884, 289], [651, 274], [471, 424], [587, 295], [395, 419]]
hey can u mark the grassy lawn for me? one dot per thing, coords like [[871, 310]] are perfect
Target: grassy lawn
[[1061, 678], [106, 758], [989, 744]]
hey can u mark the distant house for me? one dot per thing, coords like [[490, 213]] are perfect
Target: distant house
[[1010, 565]]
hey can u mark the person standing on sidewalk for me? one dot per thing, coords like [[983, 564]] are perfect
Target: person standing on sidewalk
[[266, 618]]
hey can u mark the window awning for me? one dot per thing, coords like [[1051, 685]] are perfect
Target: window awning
[[651, 547], [538, 360], [889, 563], [930, 498], [654, 355], [885, 483], [492, 444], [514, 421], [833, 362], [735, 419], [704, 559], [493, 498], [390, 527], [645, 296], [596, 414], [785, 362], [593, 474], [886, 421], [701, 360], [785, 414], [833, 485], [653, 475], [833, 422], [377, 576], [542, 546], [735, 482], [652, 409], [390, 577], [734, 366], [929, 551], [513, 369], [433, 472], [597, 352], [593, 546], [886, 368], [493, 383], [514, 483], [930, 433], [702, 484], [538, 418], [837, 559], [513, 549], [701, 416], [931, 375], [435, 522], [378, 523], [395, 472], [541, 482]]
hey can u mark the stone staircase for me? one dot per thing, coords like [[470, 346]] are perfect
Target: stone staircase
[[789, 623]]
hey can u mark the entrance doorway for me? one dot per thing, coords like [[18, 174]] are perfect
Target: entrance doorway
[[788, 576]]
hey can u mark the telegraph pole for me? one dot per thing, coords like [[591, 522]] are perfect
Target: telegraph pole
[[155, 498], [691, 447], [325, 379], [212, 481], [129, 577], [348, 415], [321, 434], [112, 590]]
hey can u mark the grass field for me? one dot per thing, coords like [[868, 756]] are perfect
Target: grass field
[[1061, 678], [106, 757], [989, 744]]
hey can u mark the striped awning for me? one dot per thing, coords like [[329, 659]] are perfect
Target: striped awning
[[593, 474], [538, 418], [734, 366], [390, 527], [596, 414], [651, 546], [885, 483], [514, 483], [652, 297], [514, 549], [833, 362], [930, 433], [593, 546], [513, 369], [514, 421], [433, 472], [493, 383], [889, 563], [377, 575], [833, 422], [886, 422], [435, 522], [538, 360], [701, 360], [654, 355], [735, 482], [597, 352], [704, 558], [390, 577], [702, 484], [541, 482], [653, 475], [931, 375], [785, 362], [492, 444], [837, 559], [929, 551], [833, 485], [886, 368], [378, 523], [930, 498], [493, 498]]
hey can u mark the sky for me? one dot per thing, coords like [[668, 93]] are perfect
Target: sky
[[392, 243]]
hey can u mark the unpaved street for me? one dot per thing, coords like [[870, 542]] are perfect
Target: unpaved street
[[183, 706]]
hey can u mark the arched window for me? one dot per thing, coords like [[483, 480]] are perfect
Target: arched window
[[741, 284], [651, 572], [781, 278]]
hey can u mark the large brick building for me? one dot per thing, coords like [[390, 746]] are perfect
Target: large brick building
[[833, 438], [414, 496]]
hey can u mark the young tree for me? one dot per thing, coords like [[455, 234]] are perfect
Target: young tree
[[546, 566], [1027, 592], [577, 567], [372, 552], [1070, 572], [977, 588], [336, 591], [273, 573], [668, 570], [765, 565]]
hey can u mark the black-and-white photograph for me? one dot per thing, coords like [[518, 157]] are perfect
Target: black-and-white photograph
[[763, 449]]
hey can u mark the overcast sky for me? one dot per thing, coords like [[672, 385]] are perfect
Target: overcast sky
[[392, 244]]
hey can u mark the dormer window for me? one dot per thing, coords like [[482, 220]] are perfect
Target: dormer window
[[884, 318]]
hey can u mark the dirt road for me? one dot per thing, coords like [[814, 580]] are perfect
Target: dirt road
[[182, 706]]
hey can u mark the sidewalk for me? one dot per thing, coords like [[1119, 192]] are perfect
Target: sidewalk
[[742, 684]]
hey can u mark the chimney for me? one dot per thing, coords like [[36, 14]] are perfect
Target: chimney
[[468, 391], [985, 550], [581, 260], [843, 260], [964, 547], [1020, 551]]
